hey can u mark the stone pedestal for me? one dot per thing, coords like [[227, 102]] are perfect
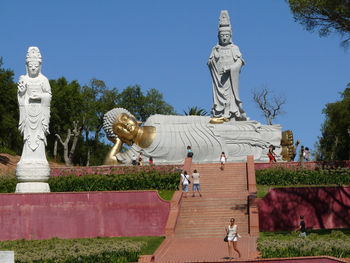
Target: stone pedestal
[[33, 177], [7, 256], [32, 188]]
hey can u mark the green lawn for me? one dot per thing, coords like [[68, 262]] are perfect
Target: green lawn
[[166, 194], [151, 243]]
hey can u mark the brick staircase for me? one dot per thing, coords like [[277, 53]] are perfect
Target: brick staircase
[[199, 232], [224, 195]]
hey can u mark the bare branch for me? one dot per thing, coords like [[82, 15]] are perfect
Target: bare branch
[[59, 138], [271, 107]]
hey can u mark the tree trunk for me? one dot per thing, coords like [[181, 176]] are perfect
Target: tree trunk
[[335, 146], [97, 133], [55, 150], [269, 120], [86, 134], [76, 133], [88, 158], [65, 145]]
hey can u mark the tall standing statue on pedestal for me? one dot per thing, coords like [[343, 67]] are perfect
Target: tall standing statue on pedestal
[[225, 62], [34, 97]]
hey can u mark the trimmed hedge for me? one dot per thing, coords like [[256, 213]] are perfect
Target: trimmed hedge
[[115, 182], [284, 176], [94, 250], [149, 180], [272, 245]]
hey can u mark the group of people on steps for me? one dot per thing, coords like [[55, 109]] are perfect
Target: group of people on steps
[[230, 230]]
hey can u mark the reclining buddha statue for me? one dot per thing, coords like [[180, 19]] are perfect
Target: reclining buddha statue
[[166, 137]]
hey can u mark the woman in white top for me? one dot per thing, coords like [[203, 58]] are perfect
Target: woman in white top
[[185, 181], [232, 235], [223, 159]]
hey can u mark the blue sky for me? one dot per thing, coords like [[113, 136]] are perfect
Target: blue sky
[[165, 45]]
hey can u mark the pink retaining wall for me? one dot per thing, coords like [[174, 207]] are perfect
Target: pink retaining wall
[[82, 215], [322, 207]]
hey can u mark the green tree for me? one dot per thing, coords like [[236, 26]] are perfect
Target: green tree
[[142, 106], [10, 137], [98, 99], [335, 131], [132, 99], [76, 120], [326, 16], [155, 104], [196, 111], [66, 117]]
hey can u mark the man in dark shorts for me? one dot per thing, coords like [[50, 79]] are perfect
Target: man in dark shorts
[[302, 227]]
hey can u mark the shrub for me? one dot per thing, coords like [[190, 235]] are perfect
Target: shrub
[[335, 244], [74, 250], [153, 180], [285, 176], [8, 183], [7, 150], [115, 182]]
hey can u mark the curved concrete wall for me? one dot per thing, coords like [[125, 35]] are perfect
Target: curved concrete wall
[[82, 215], [322, 207]]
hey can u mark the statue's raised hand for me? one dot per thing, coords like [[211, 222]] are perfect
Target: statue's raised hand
[[22, 86]]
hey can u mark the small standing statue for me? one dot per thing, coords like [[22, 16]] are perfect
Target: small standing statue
[[34, 97], [225, 62]]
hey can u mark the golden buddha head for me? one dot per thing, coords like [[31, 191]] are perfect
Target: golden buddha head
[[120, 124], [126, 127]]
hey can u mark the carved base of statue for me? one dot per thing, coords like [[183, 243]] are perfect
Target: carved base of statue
[[33, 172], [32, 188], [33, 177]]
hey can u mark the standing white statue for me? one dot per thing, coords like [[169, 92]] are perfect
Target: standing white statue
[[225, 62], [34, 97]]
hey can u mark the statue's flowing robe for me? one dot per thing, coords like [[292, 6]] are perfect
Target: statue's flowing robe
[[175, 133], [34, 117], [225, 85]]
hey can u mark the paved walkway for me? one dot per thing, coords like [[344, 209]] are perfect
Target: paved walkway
[[200, 250], [200, 230]]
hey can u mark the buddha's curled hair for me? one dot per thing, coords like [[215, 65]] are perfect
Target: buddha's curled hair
[[109, 119]]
